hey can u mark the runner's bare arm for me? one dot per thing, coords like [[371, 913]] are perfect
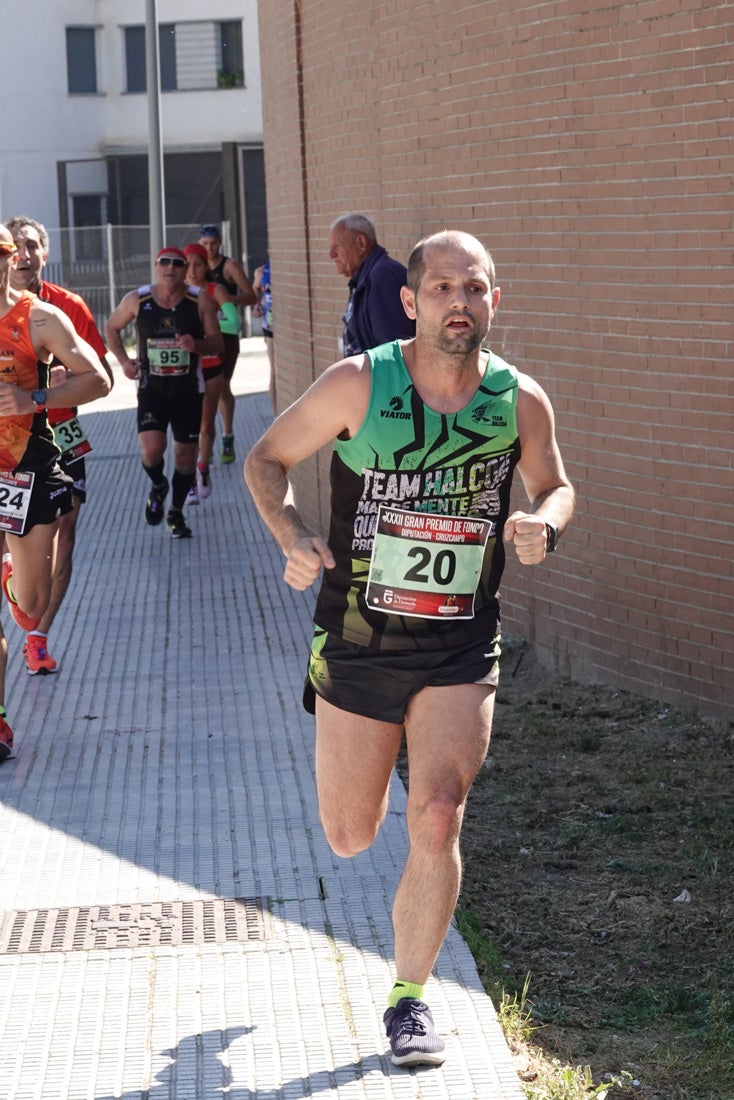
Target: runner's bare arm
[[52, 333], [334, 405], [117, 322], [211, 343], [235, 273], [549, 491], [83, 321], [257, 286]]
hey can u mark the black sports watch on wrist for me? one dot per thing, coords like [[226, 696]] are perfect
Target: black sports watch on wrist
[[551, 537], [39, 399]]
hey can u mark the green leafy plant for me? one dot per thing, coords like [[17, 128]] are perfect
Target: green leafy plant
[[573, 1083], [226, 79], [552, 1079]]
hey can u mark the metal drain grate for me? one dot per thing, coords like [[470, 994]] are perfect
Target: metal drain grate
[[157, 924]]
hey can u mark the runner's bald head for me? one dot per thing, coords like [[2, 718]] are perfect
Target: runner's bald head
[[447, 238]]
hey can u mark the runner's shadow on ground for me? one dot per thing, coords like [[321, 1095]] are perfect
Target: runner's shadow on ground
[[217, 1063], [172, 737]]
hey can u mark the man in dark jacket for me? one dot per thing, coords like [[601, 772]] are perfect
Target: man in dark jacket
[[374, 312]]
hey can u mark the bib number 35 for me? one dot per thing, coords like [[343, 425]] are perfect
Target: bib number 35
[[71, 440]]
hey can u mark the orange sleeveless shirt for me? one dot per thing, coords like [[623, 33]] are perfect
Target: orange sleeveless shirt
[[26, 441]]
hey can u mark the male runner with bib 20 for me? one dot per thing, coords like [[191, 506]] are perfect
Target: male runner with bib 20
[[428, 434]]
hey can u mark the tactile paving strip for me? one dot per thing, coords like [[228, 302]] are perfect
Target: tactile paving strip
[[173, 923]]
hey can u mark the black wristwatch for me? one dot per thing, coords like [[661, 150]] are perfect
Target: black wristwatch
[[39, 399], [551, 537]]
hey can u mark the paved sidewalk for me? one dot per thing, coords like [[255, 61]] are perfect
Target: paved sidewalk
[[173, 924]]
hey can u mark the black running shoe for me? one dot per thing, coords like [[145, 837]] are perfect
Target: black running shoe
[[154, 503], [177, 525], [414, 1040]]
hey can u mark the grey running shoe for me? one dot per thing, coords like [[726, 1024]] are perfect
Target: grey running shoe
[[154, 504], [414, 1040], [177, 525]]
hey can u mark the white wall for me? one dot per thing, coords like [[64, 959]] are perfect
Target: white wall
[[49, 125], [46, 124]]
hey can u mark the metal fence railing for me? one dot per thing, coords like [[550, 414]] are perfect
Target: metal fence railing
[[103, 262]]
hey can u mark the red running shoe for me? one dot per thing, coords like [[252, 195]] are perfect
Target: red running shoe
[[25, 622], [6, 739], [36, 656]]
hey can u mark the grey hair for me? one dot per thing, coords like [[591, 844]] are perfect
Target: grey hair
[[356, 223], [21, 220]]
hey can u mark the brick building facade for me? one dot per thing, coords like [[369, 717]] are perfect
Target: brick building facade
[[591, 148]]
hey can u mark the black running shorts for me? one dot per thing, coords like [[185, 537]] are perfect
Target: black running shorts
[[230, 353], [379, 683], [77, 471], [50, 498], [183, 413]]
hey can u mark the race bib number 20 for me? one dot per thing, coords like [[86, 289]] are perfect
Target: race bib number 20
[[426, 565]]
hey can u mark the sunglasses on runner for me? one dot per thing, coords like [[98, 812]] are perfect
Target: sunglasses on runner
[[168, 261]]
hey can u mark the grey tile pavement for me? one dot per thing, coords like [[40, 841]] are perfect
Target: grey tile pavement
[[165, 772]]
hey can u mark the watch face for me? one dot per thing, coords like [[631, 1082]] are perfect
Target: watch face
[[38, 397]]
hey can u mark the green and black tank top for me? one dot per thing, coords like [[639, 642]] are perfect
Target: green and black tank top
[[407, 456]]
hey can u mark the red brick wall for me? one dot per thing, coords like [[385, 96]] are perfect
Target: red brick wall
[[590, 147]]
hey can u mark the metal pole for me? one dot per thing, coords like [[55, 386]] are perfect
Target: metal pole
[[111, 268], [156, 196]]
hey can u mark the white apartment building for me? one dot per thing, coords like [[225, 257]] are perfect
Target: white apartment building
[[73, 150]]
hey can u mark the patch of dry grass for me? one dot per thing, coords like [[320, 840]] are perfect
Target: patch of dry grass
[[598, 859]]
